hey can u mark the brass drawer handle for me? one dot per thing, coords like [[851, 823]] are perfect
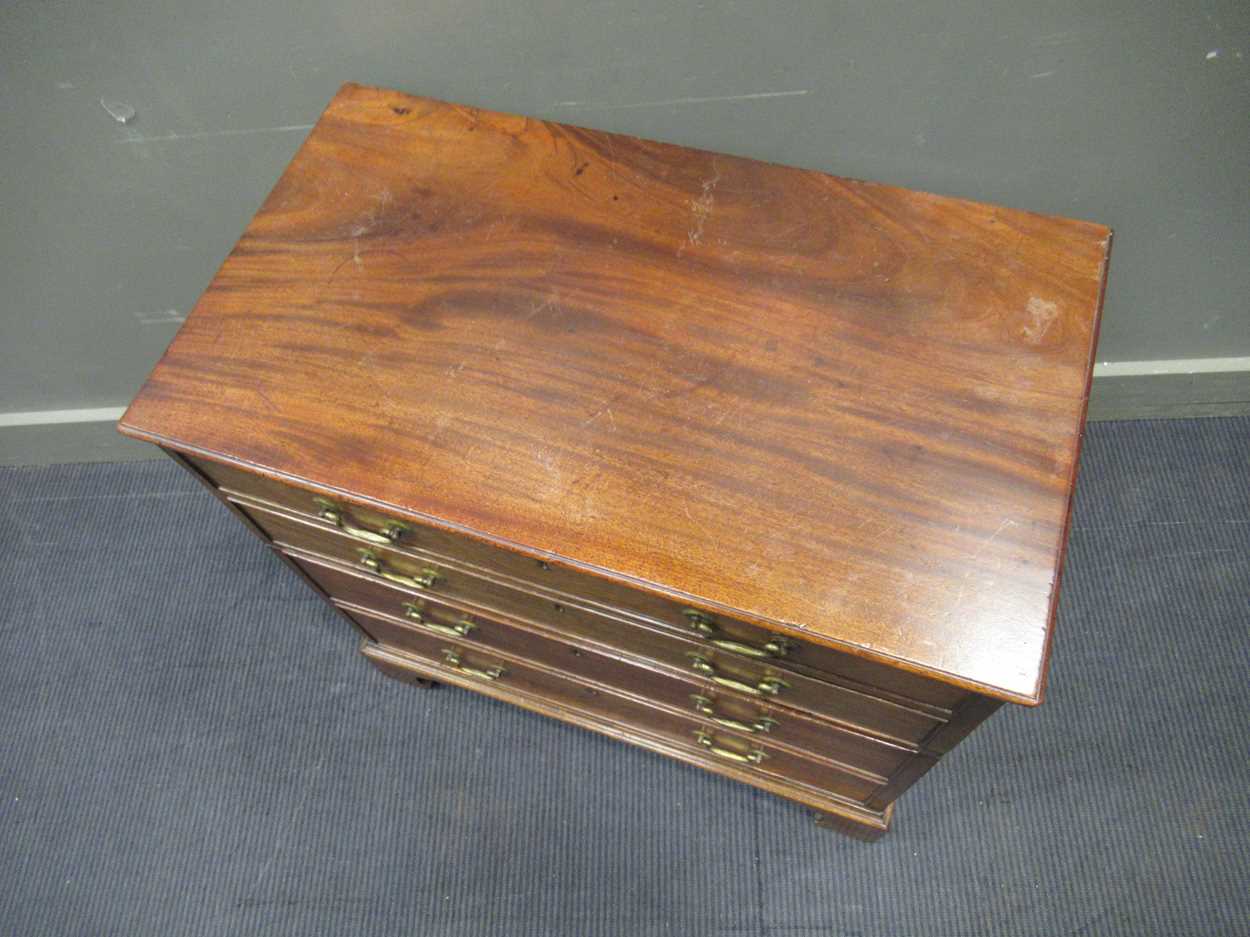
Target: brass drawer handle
[[704, 706], [329, 511], [776, 646], [425, 581], [459, 630], [452, 657], [767, 686], [752, 757]]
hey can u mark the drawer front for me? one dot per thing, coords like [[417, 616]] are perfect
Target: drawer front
[[729, 635], [861, 752], [734, 679], [471, 666], [490, 636]]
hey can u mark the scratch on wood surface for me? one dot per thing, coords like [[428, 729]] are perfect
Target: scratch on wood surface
[[260, 392], [985, 544], [471, 114], [537, 308], [602, 411], [701, 207], [544, 458], [959, 599], [671, 102], [1042, 314]]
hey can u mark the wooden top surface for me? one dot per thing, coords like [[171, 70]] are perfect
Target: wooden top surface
[[849, 411]]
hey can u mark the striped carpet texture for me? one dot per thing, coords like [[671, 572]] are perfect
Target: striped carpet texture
[[189, 745]]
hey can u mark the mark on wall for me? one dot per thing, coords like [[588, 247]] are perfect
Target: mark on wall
[[204, 134], [157, 318], [667, 102], [120, 111]]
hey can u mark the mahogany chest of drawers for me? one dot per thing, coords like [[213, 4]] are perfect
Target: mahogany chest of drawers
[[763, 469]]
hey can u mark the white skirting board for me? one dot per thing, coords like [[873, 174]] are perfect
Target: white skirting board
[[53, 417], [1177, 387]]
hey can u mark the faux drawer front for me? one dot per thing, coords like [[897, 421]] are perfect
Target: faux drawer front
[[461, 659], [859, 752], [379, 528], [678, 654]]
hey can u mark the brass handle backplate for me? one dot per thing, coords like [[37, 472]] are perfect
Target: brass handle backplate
[[752, 757], [767, 686], [414, 614], [452, 656], [370, 561], [703, 706], [776, 646], [329, 511]]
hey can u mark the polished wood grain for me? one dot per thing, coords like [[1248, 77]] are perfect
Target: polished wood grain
[[844, 411]]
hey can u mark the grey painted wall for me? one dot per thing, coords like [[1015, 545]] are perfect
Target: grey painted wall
[[1134, 114]]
